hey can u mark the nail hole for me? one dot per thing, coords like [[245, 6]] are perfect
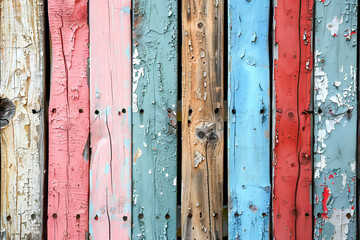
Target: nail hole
[[167, 216], [190, 215], [348, 215], [78, 216], [236, 214], [33, 216], [200, 214], [125, 218], [53, 110], [123, 110], [8, 218], [190, 112], [97, 112], [307, 214], [262, 111], [319, 215], [217, 110], [189, 122], [119, 113], [264, 214], [233, 111], [141, 216], [34, 111], [96, 217], [169, 110], [54, 215], [141, 111], [349, 111], [319, 111], [81, 110], [215, 215]]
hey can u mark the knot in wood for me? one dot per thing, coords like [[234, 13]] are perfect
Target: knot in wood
[[7, 111]]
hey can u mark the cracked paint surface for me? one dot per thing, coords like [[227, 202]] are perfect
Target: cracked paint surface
[[22, 137], [292, 165], [110, 118], [68, 121], [249, 108], [202, 119], [154, 106], [335, 119]]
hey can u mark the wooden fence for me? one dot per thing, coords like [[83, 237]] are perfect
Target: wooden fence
[[168, 119]]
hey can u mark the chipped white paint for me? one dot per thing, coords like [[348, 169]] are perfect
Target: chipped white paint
[[333, 26], [198, 158], [137, 74], [22, 141]]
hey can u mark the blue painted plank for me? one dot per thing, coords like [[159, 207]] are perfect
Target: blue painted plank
[[249, 109], [335, 119], [154, 119]]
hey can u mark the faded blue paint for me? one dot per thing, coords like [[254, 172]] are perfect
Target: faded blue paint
[[335, 119], [249, 142], [155, 63]]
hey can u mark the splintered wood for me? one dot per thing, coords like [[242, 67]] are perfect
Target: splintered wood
[[202, 120]]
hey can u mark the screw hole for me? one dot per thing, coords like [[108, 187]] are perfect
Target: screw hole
[[78, 216], [141, 111], [81, 110], [190, 112], [97, 112], [319, 111], [262, 111], [169, 110], [167, 216], [141, 216], [319, 215], [348, 215], [33, 216], [53, 110], [54, 215], [233, 111], [8, 218], [96, 217], [217, 110], [125, 218], [123, 110]]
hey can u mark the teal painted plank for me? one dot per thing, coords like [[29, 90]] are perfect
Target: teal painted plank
[[154, 119], [249, 109], [335, 119]]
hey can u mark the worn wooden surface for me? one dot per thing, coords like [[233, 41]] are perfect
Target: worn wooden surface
[[68, 121], [335, 119], [202, 119], [292, 212], [22, 136], [110, 117], [249, 109], [155, 62]]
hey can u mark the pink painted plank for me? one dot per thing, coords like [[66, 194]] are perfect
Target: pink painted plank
[[68, 121], [110, 117]]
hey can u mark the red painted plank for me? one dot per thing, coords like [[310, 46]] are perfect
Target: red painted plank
[[68, 121], [292, 214]]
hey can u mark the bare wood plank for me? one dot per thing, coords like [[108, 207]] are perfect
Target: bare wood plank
[[249, 114], [110, 117], [22, 136], [155, 80], [202, 120], [292, 178], [335, 119], [68, 121]]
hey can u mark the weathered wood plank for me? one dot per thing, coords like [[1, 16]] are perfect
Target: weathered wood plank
[[110, 117], [22, 137], [154, 84], [249, 110], [335, 119], [202, 120], [292, 212], [68, 121]]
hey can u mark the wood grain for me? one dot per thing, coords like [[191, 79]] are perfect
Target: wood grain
[[68, 121], [335, 119], [249, 110], [110, 117], [292, 165], [155, 81], [22, 136], [202, 119]]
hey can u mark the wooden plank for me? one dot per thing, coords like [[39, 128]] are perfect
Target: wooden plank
[[68, 121], [202, 120], [292, 212], [155, 79], [249, 110], [22, 137], [110, 117], [335, 120]]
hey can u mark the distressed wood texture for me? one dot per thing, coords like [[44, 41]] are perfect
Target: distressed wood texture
[[249, 109], [155, 63], [335, 119], [68, 121], [22, 137], [110, 117], [292, 179], [202, 119]]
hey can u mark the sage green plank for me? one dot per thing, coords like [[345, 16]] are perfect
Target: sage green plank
[[154, 107]]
